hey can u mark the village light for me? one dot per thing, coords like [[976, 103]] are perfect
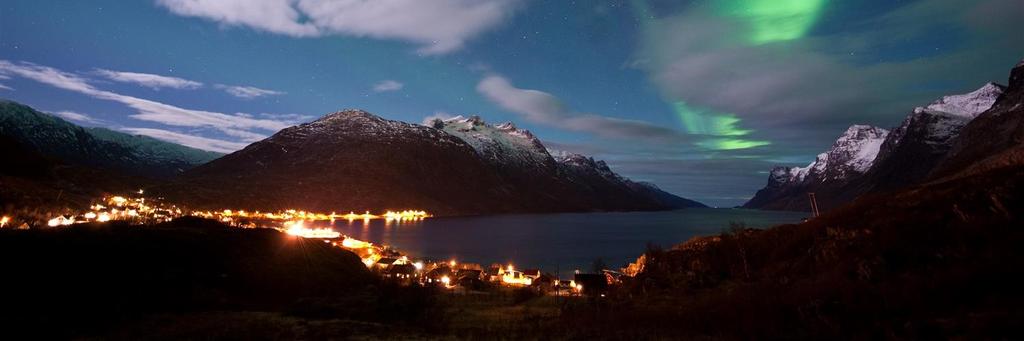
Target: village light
[[445, 280], [451, 263], [103, 217], [418, 266], [4, 220], [90, 215]]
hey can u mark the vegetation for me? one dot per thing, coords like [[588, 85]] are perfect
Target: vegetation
[[939, 260]]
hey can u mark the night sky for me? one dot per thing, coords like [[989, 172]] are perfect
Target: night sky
[[699, 97]]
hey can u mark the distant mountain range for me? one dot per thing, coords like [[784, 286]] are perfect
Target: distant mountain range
[[869, 159], [349, 160], [97, 147], [354, 160]]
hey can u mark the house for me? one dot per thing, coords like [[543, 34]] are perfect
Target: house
[[401, 271], [385, 263], [436, 274], [512, 277], [469, 273], [493, 274], [591, 284], [532, 273]]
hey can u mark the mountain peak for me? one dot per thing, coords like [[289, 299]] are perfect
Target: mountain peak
[[347, 114], [968, 105]]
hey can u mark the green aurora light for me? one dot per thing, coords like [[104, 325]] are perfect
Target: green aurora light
[[765, 21], [774, 20], [723, 128]]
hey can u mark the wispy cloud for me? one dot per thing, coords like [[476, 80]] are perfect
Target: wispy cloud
[[149, 80], [4, 87], [247, 92], [437, 26], [237, 125], [789, 91], [543, 108], [388, 85], [198, 142], [75, 116]]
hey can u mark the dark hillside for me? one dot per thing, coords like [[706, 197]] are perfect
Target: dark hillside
[[937, 260], [80, 280]]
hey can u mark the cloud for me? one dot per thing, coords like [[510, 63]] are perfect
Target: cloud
[[198, 142], [74, 116], [149, 80], [543, 108], [718, 66], [247, 92], [388, 85], [4, 87], [238, 125], [437, 26]]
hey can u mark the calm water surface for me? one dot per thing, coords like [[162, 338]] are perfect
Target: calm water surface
[[555, 242]]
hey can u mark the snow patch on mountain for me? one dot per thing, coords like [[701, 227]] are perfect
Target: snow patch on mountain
[[504, 143], [968, 105], [943, 119], [853, 153]]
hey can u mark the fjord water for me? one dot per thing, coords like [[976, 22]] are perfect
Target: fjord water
[[555, 242]]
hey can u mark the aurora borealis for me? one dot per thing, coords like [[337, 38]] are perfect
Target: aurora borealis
[[699, 97], [774, 20]]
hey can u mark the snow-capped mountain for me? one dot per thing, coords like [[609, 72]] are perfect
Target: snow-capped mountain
[[354, 160], [503, 144], [995, 139], [851, 156], [866, 159], [925, 137]]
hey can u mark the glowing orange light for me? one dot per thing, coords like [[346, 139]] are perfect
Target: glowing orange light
[[297, 229]]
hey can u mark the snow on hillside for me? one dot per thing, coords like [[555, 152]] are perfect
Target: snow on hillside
[[504, 143], [853, 153], [968, 105]]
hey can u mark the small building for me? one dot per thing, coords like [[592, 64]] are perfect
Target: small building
[[532, 273], [469, 273], [493, 274], [401, 271], [591, 284], [385, 263], [436, 274]]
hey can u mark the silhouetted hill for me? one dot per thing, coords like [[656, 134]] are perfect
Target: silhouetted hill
[[83, 279], [33, 184], [355, 161], [96, 147]]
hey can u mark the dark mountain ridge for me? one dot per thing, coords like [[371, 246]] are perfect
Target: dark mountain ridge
[[903, 157], [353, 160], [97, 147]]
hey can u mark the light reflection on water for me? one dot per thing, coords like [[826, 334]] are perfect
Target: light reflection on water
[[552, 242]]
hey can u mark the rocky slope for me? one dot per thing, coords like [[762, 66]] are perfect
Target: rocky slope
[[925, 137], [994, 139], [520, 157], [849, 158], [867, 163], [97, 147], [933, 256], [354, 161]]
